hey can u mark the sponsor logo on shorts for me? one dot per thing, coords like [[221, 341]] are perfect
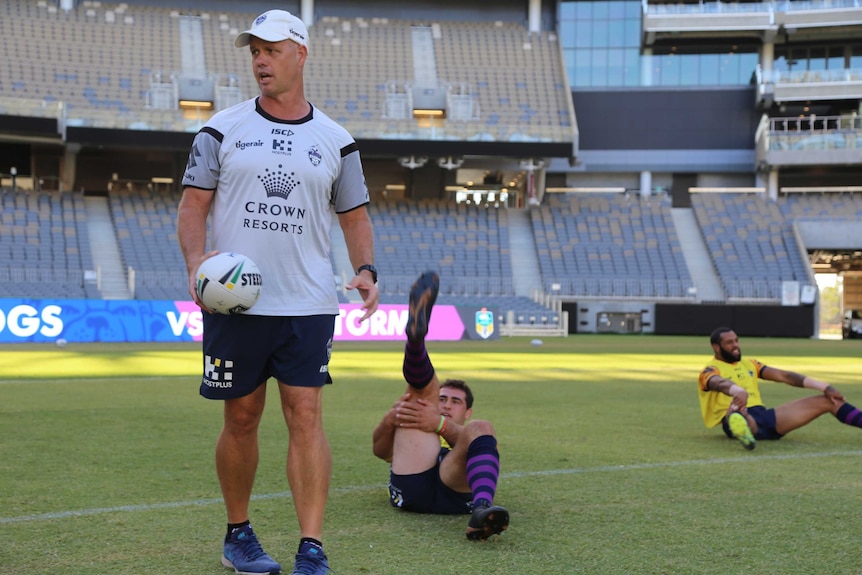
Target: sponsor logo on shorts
[[396, 498], [218, 372]]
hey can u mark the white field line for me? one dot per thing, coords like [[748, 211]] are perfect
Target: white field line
[[358, 488]]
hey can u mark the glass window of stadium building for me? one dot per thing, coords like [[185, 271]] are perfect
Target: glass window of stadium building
[[604, 52], [601, 41], [767, 79]]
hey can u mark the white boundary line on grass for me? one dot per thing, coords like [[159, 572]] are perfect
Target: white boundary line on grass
[[357, 488]]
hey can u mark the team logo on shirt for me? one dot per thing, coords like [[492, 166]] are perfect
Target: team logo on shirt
[[278, 183], [314, 156]]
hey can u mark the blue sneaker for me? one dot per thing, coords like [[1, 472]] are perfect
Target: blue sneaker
[[243, 554], [310, 561]]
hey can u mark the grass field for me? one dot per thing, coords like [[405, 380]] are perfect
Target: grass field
[[106, 464]]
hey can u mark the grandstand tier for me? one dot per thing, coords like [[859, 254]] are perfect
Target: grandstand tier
[[707, 167]]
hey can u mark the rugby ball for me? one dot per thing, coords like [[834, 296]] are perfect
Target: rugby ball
[[228, 283]]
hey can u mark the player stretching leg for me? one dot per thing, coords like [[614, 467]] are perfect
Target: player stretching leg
[[440, 462]]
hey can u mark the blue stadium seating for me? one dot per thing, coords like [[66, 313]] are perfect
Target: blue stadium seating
[[467, 245], [44, 245], [601, 246], [98, 60], [609, 245], [751, 244], [145, 223]]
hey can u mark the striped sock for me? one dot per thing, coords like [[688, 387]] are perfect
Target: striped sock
[[483, 468], [417, 368], [849, 415]]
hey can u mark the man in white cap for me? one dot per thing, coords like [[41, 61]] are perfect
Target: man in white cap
[[270, 172]]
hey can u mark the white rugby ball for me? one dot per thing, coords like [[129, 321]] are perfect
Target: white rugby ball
[[228, 283]]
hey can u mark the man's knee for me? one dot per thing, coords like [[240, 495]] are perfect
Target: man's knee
[[430, 392], [821, 404], [478, 428], [242, 415]]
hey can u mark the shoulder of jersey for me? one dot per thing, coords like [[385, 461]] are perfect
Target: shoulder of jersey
[[229, 116]]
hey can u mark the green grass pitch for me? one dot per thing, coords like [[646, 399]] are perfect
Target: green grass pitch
[[106, 464]]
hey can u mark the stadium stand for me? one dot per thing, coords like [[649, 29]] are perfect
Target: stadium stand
[[44, 245], [821, 205], [609, 245], [145, 218], [751, 244], [100, 59], [514, 77], [353, 60], [469, 245], [145, 222], [590, 245], [97, 58]]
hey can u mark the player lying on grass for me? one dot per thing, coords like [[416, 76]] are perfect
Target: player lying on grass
[[440, 462], [729, 395]]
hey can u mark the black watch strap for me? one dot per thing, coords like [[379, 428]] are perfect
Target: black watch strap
[[370, 268]]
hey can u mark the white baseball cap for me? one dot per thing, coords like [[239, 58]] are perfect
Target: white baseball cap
[[275, 26]]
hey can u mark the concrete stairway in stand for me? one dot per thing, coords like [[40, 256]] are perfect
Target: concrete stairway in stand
[[522, 249], [113, 283], [696, 256]]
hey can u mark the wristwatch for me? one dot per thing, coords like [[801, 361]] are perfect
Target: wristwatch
[[370, 268]]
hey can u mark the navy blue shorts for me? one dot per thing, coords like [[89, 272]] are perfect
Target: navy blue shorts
[[426, 493], [240, 352], [765, 419]]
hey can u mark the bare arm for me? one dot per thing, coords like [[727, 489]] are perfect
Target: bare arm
[[728, 387], [799, 380], [192, 232], [359, 237]]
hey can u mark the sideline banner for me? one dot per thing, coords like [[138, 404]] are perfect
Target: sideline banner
[[83, 320]]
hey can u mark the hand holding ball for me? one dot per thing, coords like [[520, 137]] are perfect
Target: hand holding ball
[[228, 283]]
